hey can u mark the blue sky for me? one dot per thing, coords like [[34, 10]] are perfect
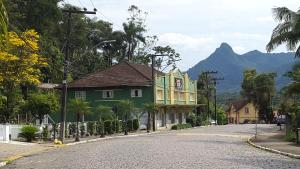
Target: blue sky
[[195, 28]]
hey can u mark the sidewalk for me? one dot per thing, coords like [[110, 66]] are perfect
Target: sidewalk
[[13, 150], [274, 139]]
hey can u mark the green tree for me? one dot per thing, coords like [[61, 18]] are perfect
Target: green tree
[[125, 109], [248, 85], [287, 31], [79, 108], [265, 91], [39, 105]]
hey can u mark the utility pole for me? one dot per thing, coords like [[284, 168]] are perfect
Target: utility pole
[[66, 63], [215, 95], [153, 56], [208, 91]]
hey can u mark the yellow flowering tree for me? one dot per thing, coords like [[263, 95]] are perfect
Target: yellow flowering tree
[[20, 63]]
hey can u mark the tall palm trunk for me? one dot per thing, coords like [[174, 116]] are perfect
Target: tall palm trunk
[[77, 127]]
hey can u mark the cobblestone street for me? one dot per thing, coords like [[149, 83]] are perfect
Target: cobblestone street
[[207, 147]]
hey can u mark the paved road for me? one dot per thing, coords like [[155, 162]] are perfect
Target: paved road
[[210, 147]]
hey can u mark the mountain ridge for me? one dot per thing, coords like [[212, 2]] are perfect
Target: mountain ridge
[[231, 65]]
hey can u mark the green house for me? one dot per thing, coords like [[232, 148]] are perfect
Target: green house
[[129, 81]]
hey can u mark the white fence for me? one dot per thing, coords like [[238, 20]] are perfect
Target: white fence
[[9, 132]]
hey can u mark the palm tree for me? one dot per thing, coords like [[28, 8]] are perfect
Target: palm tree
[[287, 31], [79, 108], [3, 18], [150, 108], [133, 34], [125, 107], [104, 114]]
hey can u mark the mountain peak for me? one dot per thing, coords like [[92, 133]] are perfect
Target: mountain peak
[[225, 46]]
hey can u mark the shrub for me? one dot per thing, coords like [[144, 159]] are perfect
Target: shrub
[[181, 126], [45, 133], [117, 126], [91, 127], [136, 124], [72, 129], [108, 127], [191, 119], [130, 125], [290, 136], [82, 129], [29, 133], [100, 128]]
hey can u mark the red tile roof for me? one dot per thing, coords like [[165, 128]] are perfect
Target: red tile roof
[[122, 74], [239, 104]]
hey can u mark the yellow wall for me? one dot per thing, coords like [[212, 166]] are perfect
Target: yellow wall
[[242, 115]]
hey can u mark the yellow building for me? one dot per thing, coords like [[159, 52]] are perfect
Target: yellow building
[[240, 112], [176, 96]]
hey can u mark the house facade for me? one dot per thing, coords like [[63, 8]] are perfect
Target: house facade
[[240, 112], [176, 96], [128, 81]]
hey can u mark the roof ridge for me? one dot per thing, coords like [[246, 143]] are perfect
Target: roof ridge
[[130, 64]]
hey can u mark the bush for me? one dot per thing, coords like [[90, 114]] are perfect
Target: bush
[[72, 129], [100, 128], [192, 119], [108, 127], [117, 126], [181, 126], [91, 127], [130, 125], [82, 129], [29, 133], [45, 133], [290, 136], [136, 124]]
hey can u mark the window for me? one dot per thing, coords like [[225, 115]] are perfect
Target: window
[[108, 94], [192, 97], [181, 96], [80, 95], [176, 95], [136, 92], [159, 95], [246, 110]]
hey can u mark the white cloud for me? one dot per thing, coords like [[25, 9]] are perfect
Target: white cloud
[[265, 19], [184, 41], [239, 49]]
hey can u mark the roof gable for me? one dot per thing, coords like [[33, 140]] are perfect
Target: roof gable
[[122, 74]]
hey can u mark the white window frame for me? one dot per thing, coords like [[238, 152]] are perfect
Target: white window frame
[[80, 95], [140, 93], [104, 94], [161, 96], [192, 96]]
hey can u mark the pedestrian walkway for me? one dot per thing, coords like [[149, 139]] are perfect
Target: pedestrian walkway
[[273, 138], [13, 149]]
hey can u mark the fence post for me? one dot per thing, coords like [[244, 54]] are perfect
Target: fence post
[[6, 132]]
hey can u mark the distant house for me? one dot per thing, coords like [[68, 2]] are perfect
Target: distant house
[[174, 93], [241, 111]]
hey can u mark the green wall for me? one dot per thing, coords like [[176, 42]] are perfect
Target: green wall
[[94, 98]]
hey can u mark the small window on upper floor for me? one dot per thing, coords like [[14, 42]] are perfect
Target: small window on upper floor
[[80, 95], [192, 97], [136, 92], [108, 94], [159, 95], [246, 110]]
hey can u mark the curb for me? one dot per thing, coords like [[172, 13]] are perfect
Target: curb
[[18, 156], [108, 138], [249, 141]]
